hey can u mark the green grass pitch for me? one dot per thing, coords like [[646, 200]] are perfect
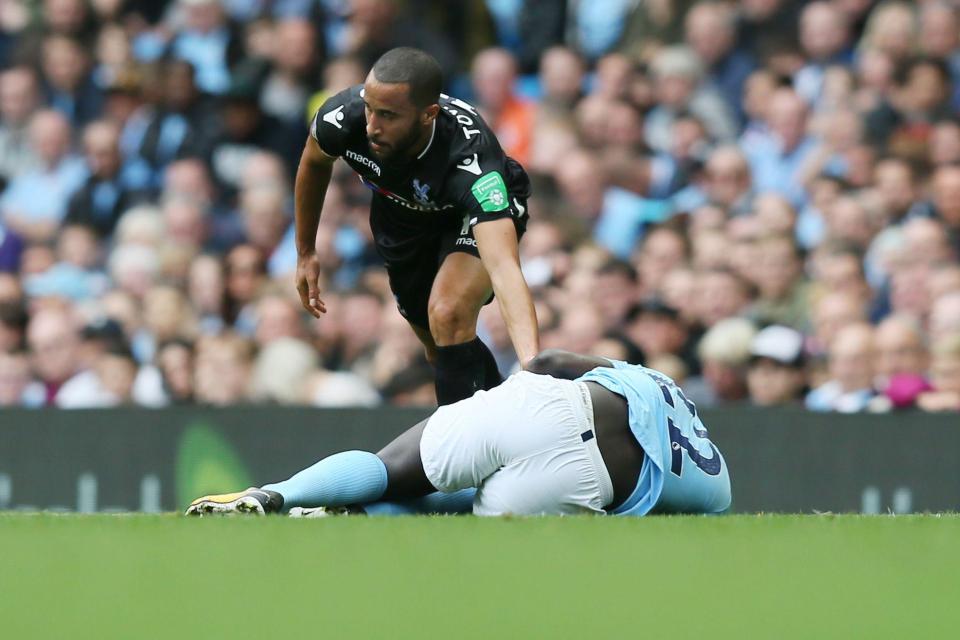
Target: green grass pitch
[[460, 577]]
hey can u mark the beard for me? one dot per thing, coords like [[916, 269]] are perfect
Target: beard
[[398, 152]]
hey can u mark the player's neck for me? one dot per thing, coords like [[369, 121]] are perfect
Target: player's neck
[[424, 142]]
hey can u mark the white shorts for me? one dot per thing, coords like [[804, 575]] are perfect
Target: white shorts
[[528, 446]]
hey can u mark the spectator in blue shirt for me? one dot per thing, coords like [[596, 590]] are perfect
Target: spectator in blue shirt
[[711, 33], [35, 202]]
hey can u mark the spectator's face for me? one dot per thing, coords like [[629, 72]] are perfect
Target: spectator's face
[[582, 183], [908, 289], [657, 334], [852, 357], [674, 91], [788, 118], [36, 259], [176, 365], [721, 296], [624, 126], [50, 137], [892, 30], [945, 373], [895, 184], [927, 241], [680, 292], [945, 318], [945, 144], [689, 137], [221, 374], [164, 311], [206, 285], [771, 383], [113, 47], [64, 16], [101, 146], [662, 252], [78, 246], [944, 281], [774, 215], [592, 114], [19, 96], [711, 250], [946, 194], [614, 74], [759, 89], [188, 179], [925, 89], [728, 177], [55, 346], [116, 374], [848, 220], [898, 350], [179, 89], [245, 273], [395, 125], [777, 269], [277, 318], [842, 274], [580, 328], [823, 32], [493, 76], [362, 317], [875, 70], [204, 16], [264, 219], [833, 312], [185, 223], [938, 31], [709, 32], [561, 74], [295, 46], [613, 294], [14, 378], [727, 381], [64, 64]]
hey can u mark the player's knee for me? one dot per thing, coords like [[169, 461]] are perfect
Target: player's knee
[[449, 320]]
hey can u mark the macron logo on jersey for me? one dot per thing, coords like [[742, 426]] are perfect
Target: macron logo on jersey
[[367, 162], [335, 117], [471, 165]]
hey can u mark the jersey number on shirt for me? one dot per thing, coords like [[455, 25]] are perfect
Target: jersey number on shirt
[[680, 443]]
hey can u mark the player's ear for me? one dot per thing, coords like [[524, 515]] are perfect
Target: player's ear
[[429, 114]]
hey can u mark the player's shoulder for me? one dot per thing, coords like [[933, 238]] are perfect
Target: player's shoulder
[[467, 130], [340, 114]]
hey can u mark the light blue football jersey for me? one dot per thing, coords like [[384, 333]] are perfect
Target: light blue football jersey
[[683, 471]]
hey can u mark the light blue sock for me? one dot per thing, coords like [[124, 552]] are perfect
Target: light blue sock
[[351, 477], [437, 502]]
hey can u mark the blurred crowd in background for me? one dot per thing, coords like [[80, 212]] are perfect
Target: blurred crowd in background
[[760, 198]]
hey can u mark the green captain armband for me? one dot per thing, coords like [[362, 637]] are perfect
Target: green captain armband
[[491, 192]]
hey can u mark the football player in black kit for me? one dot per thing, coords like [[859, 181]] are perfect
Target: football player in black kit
[[447, 213]]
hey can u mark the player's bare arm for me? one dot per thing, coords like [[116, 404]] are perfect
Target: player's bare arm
[[497, 243], [313, 177]]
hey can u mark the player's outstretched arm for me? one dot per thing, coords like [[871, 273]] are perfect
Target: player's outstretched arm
[[565, 364], [313, 177], [497, 243]]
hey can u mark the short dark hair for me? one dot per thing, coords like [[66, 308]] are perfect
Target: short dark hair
[[413, 67]]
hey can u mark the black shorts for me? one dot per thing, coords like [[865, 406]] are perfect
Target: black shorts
[[413, 257]]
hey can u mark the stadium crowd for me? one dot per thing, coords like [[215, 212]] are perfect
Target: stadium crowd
[[760, 198]]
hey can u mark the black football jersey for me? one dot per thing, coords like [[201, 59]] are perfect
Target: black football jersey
[[461, 178]]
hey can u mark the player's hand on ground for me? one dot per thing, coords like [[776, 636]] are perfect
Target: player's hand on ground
[[308, 284]]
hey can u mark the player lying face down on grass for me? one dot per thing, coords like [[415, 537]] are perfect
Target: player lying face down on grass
[[572, 434], [448, 208]]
